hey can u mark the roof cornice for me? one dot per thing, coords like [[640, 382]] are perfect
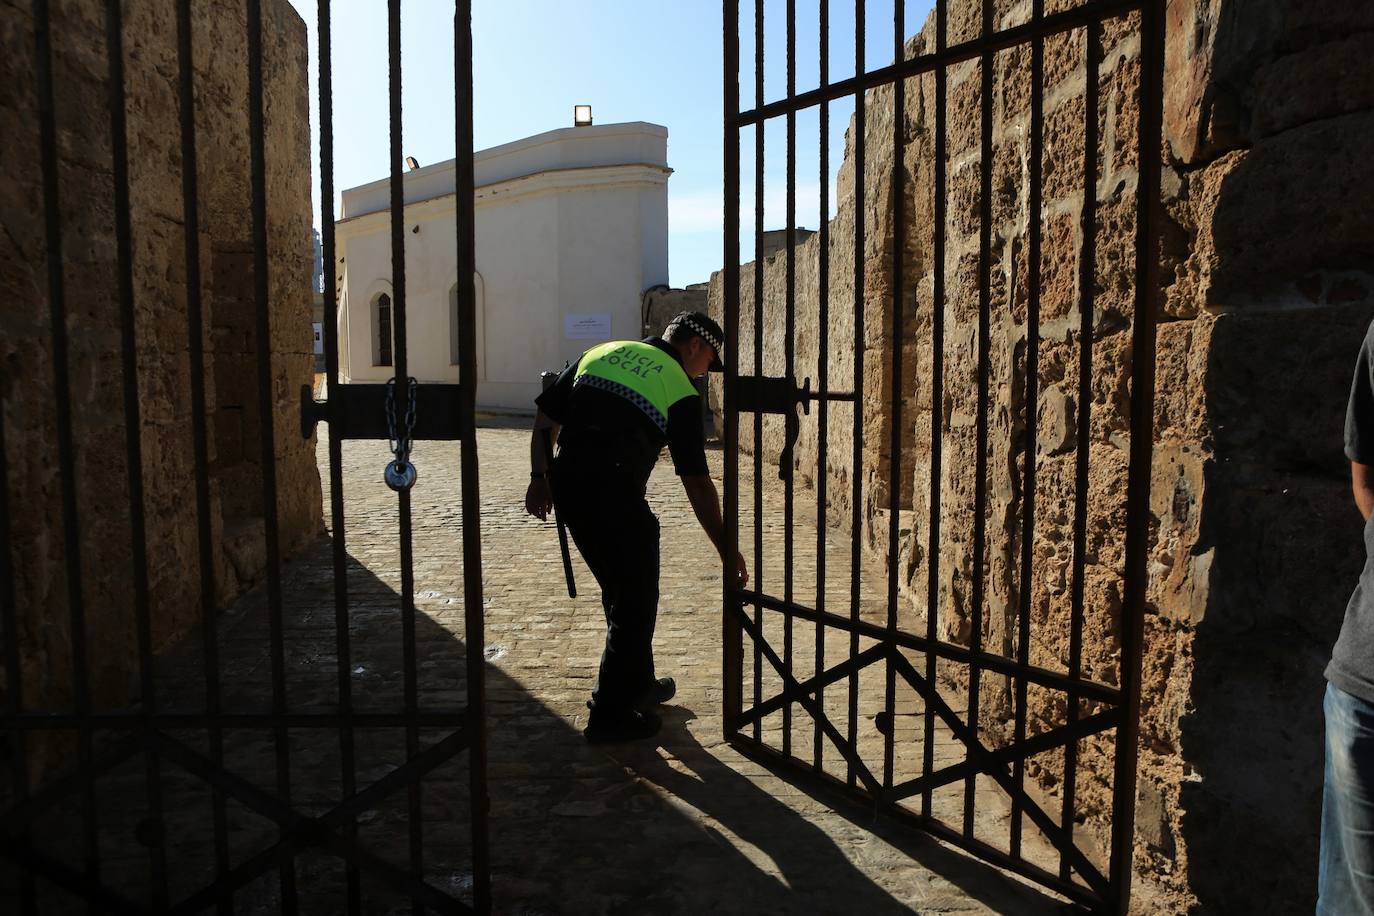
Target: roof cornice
[[549, 181]]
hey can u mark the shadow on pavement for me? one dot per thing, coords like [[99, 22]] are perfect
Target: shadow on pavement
[[664, 828], [795, 862]]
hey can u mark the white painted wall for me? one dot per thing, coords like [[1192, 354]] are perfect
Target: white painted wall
[[570, 222]]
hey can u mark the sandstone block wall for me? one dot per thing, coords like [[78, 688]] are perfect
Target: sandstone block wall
[[847, 305], [661, 303], [80, 73], [1267, 287], [1268, 107]]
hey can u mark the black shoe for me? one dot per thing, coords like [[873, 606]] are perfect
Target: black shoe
[[664, 690], [630, 725], [660, 691]]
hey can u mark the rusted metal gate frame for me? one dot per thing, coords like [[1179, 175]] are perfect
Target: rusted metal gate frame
[[357, 411], [759, 395]]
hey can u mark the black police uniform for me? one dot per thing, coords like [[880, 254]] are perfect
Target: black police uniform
[[607, 450]]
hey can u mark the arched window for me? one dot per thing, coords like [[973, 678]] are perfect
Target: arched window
[[381, 330]]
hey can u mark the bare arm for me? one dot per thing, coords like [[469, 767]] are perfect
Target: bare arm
[[1362, 484], [539, 495], [701, 493], [538, 461]]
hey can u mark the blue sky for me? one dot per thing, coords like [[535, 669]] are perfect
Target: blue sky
[[631, 60]]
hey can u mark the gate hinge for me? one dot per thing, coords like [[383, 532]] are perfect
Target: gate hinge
[[780, 395], [768, 394]]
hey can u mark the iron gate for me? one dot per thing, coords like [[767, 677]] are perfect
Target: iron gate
[[179, 742], [942, 671]]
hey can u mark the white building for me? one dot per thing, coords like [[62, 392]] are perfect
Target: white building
[[572, 228]]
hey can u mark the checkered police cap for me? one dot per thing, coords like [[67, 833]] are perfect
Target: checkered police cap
[[702, 325]]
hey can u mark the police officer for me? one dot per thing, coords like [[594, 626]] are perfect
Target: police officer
[[611, 413]]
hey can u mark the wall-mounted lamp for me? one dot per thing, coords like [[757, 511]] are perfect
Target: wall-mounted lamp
[[412, 162], [582, 116]]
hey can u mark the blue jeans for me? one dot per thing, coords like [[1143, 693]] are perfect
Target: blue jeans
[[1345, 881]]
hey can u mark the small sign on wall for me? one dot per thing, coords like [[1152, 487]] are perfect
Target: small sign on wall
[[319, 338], [587, 326]]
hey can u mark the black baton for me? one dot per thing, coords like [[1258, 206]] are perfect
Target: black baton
[[547, 379]]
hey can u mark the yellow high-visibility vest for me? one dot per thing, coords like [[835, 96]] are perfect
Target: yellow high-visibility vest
[[640, 372]]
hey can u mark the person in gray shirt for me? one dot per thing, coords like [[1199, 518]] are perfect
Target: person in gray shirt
[[1345, 882]]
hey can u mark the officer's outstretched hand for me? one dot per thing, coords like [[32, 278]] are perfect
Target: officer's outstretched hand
[[741, 571], [539, 498]]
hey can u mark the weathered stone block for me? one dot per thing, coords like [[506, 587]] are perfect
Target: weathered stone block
[[1119, 111], [963, 118], [1009, 191], [1064, 60], [1120, 32], [1062, 169], [1056, 423], [1282, 208], [1012, 83], [1114, 286], [1324, 81], [1058, 286]]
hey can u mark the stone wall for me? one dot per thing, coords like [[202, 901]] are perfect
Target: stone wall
[[661, 303], [841, 321], [80, 72], [1272, 289], [1267, 286], [775, 240]]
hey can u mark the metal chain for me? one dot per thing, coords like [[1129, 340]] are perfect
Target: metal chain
[[410, 412], [400, 444], [391, 414], [400, 473]]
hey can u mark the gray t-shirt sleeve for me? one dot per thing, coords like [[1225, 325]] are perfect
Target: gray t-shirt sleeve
[[1352, 658], [1359, 412]]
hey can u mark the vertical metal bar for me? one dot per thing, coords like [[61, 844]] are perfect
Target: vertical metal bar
[[980, 499], [1142, 444], [66, 446], [396, 207], [894, 483], [133, 427], [195, 320], [14, 676], [732, 633], [1087, 264], [399, 390], [266, 424], [758, 355], [823, 373], [789, 351], [1032, 399], [343, 643], [472, 532], [856, 469], [937, 399]]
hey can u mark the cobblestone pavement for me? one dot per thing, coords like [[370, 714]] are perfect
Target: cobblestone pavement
[[684, 824], [681, 825]]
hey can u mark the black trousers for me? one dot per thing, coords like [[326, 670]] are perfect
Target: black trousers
[[617, 534]]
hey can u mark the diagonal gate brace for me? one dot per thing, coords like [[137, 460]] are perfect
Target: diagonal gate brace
[[980, 754], [302, 831]]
